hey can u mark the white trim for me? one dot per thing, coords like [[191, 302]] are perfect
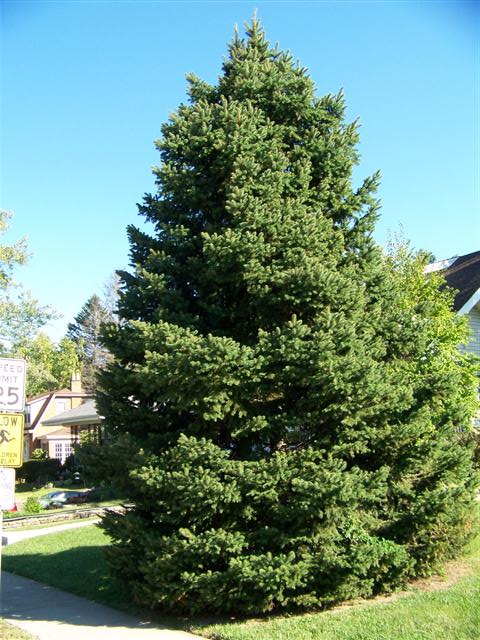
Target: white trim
[[57, 421], [39, 423], [469, 304]]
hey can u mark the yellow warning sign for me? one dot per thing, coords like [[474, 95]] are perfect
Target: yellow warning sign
[[11, 439]]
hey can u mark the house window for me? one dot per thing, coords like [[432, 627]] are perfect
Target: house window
[[63, 450], [61, 406]]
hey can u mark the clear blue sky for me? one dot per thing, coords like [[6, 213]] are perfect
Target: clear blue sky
[[85, 87]]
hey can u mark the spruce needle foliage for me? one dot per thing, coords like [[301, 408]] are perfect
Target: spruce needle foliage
[[279, 409]]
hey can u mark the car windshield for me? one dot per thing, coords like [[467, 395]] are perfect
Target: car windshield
[[54, 494]]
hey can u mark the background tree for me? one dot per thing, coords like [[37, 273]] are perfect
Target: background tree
[[283, 413], [21, 316], [85, 333], [11, 256], [111, 295], [49, 366], [446, 332]]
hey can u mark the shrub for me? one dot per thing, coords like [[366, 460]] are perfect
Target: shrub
[[69, 463], [39, 471], [39, 454], [32, 505]]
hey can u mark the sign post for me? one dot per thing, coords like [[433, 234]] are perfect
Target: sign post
[[7, 488], [12, 422], [7, 501]]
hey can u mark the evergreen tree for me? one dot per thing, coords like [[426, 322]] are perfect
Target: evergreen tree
[[85, 332], [271, 420]]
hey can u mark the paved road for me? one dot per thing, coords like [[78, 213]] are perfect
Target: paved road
[[51, 614]]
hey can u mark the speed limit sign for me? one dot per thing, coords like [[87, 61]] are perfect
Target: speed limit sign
[[12, 384]]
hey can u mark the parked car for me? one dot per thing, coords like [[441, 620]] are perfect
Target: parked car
[[56, 499], [81, 497]]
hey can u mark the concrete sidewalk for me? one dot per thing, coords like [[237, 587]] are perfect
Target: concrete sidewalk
[[51, 614]]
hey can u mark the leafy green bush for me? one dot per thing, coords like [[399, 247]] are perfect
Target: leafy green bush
[[10, 514], [103, 493], [99, 462], [32, 505], [69, 463], [39, 454], [40, 471]]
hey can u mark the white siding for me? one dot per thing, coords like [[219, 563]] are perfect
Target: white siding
[[474, 345], [35, 409], [474, 319]]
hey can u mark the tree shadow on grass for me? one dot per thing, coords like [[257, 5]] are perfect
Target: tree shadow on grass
[[26, 487], [81, 571]]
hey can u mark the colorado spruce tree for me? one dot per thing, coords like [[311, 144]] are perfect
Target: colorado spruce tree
[[272, 421]]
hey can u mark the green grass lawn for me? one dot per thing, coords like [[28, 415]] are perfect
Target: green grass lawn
[[32, 527], [428, 613], [451, 614], [72, 560], [25, 490], [447, 613], [7, 632]]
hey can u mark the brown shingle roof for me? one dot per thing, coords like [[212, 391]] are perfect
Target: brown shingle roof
[[464, 275]]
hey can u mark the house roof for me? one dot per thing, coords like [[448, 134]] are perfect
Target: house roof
[[39, 396], [64, 393], [463, 274], [62, 432], [48, 398], [86, 413]]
